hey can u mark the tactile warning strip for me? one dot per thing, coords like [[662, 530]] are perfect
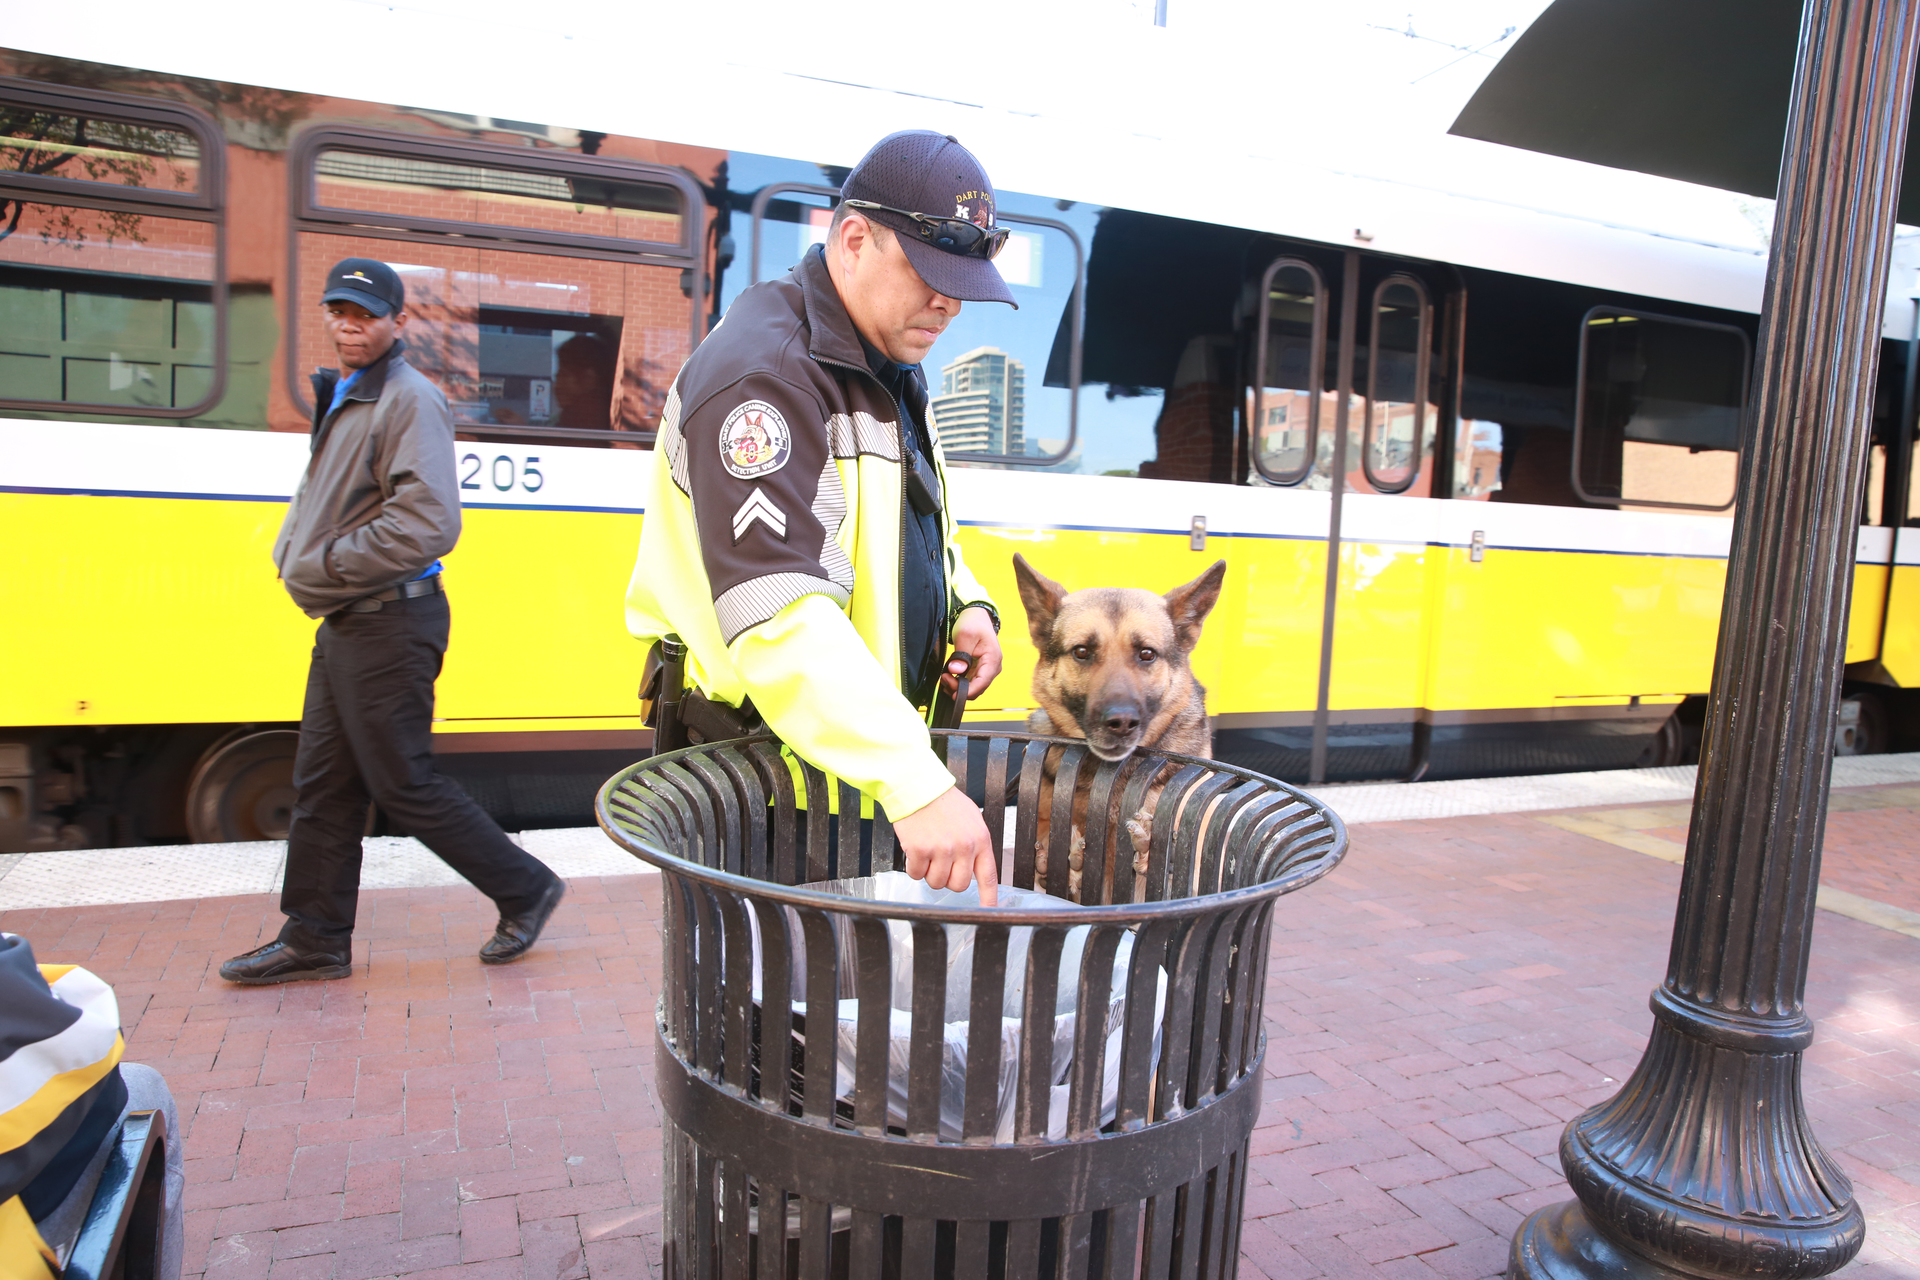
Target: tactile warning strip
[[157, 873]]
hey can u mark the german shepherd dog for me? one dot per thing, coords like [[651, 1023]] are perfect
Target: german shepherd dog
[[1114, 670]]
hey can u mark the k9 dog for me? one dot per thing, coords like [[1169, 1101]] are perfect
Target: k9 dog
[[1114, 670]]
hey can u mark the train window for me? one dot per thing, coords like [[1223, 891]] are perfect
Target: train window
[[595, 205], [1290, 359], [995, 399], [1658, 411], [789, 218], [550, 296], [522, 340], [1397, 421], [82, 148], [110, 255]]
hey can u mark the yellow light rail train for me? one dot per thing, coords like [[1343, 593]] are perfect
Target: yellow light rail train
[[1514, 433]]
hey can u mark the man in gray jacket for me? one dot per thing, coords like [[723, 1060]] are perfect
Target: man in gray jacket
[[360, 549]]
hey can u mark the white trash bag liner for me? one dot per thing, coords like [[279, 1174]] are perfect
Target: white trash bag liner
[[897, 886]]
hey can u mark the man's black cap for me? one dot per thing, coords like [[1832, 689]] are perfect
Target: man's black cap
[[931, 173], [371, 283]]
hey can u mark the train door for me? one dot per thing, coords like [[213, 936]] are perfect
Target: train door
[[1350, 366]]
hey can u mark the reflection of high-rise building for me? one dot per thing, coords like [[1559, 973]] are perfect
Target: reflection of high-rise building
[[982, 405]]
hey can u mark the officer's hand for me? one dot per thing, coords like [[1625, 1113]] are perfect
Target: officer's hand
[[947, 846], [974, 634]]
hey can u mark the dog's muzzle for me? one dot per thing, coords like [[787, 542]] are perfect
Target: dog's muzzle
[[1115, 729]]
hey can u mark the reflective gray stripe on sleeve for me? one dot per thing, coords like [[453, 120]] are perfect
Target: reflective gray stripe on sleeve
[[830, 509], [752, 603], [856, 433], [674, 442]]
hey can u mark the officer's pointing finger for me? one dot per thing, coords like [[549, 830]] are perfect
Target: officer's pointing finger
[[986, 867]]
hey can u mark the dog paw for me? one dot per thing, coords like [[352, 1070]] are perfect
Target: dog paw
[[1140, 827]]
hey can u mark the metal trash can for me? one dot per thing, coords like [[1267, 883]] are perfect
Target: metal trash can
[[871, 1151]]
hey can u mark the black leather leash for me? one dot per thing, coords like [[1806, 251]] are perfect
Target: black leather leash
[[948, 708]]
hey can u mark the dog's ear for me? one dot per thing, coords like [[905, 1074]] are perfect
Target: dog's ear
[[1041, 596], [1190, 605]]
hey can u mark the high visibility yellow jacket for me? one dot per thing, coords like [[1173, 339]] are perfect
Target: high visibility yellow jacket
[[773, 538]]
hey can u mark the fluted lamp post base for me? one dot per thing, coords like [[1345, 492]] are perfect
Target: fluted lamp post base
[[1703, 1165], [1561, 1243]]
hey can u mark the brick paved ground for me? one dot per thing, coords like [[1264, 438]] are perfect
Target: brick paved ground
[[1438, 1008], [1870, 842]]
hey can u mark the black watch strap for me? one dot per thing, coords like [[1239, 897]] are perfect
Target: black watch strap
[[992, 613]]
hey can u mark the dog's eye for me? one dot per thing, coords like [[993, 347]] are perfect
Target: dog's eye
[[1081, 653], [1148, 655]]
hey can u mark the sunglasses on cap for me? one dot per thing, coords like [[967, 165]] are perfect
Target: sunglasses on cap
[[949, 235]]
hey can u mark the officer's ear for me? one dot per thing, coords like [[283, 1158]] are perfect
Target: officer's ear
[[854, 235], [399, 319], [851, 236]]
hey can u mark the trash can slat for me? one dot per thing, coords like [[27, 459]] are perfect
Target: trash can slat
[[1033, 1076], [1197, 806], [1165, 827], [737, 994], [886, 848], [994, 793], [872, 978], [1126, 847], [823, 1011], [983, 1027], [816, 1238], [1066, 780], [846, 834], [929, 1027], [819, 832], [1026, 825], [1134, 1102], [707, 1025], [1087, 1071]]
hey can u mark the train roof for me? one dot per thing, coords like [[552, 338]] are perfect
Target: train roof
[[1301, 120]]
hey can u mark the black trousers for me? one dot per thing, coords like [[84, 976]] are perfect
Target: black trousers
[[365, 734]]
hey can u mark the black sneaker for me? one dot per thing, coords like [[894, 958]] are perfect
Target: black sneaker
[[278, 962], [515, 935]]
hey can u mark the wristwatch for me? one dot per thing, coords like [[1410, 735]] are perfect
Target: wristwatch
[[992, 613]]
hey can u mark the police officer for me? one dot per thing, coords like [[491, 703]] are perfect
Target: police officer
[[360, 548], [798, 537]]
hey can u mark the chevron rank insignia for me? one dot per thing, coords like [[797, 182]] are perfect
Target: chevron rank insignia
[[759, 506]]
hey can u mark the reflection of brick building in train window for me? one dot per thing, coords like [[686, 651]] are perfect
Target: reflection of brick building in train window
[[107, 308], [515, 338], [490, 327], [597, 353]]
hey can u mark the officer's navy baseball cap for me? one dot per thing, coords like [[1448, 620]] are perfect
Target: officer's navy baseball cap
[[931, 173], [371, 283]]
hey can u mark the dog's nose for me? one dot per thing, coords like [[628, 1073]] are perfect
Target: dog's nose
[[1121, 717]]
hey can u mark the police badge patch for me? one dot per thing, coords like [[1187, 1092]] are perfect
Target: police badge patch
[[754, 441]]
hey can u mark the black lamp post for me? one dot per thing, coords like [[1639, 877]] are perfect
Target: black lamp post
[[1704, 1164]]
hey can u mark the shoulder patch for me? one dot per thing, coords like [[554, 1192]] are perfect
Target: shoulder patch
[[754, 441]]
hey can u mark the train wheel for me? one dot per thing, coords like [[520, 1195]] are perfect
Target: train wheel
[[1863, 725], [1667, 747], [242, 789]]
